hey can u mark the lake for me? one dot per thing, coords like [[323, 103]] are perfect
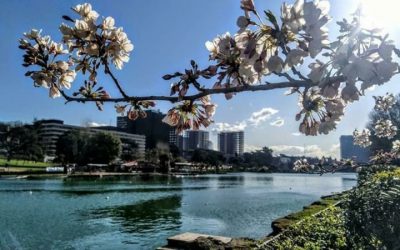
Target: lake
[[141, 212]]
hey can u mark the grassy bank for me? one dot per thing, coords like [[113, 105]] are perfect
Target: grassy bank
[[22, 166], [283, 223], [324, 230]]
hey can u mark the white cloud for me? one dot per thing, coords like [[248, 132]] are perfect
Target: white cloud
[[250, 148], [310, 150], [222, 126], [262, 115], [334, 151], [279, 122], [255, 119], [296, 134], [95, 124]]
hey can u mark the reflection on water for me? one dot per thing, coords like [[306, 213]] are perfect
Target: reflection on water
[[143, 217], [141, 212]]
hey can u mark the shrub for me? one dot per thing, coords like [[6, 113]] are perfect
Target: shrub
[[372, 210]]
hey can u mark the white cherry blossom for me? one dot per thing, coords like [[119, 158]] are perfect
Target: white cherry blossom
[[385, 129], [86, 12], [384, 103], [362, 138]]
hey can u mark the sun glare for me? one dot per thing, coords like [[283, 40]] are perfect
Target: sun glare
[[380, 13]]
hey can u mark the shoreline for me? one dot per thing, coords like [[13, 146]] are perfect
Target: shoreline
[[196, 241], [44, 174]]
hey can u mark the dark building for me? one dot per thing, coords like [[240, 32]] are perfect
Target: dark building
[[197, 139], [348, 150], [231, 143], [177, 139], [152, 127]]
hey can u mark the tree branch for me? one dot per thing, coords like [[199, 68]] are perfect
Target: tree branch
[[205, 92]]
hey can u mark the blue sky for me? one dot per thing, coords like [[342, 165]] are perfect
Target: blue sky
[[166, 35]]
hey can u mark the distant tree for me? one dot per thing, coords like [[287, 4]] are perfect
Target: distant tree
[[151, 156], [257, 159], [393, 114], [103, 148], [209, 157], [21, 142], [175, 152], [164, 157], [72, 147], [130, 152]]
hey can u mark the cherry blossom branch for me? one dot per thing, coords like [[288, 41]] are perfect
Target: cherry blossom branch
[[338, 75], [205, 92]]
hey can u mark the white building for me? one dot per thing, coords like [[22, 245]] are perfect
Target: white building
[[52, 130], [231, 143]]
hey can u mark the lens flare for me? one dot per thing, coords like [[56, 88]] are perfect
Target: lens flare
[[380, 13]]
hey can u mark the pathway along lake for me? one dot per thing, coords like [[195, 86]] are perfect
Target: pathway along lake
[[140, 213]]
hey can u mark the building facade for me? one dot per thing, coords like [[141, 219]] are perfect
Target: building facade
[[195, 139], [178, 140], [51, 130], [231, 143], [348, 150], [155, 130], [188, 141]]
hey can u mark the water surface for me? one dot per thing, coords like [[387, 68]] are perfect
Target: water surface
[[140, 213]]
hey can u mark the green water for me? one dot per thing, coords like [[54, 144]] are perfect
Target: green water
[[140, 213]]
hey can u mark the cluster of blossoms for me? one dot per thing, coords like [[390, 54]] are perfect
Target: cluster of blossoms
[[42, 52], [94, 45], [191, 114], [384, 103], [135, 109], [396, 148], [96, 41], [361, 138], [253, 52], [385, 128], [302, 165], [321, 114]]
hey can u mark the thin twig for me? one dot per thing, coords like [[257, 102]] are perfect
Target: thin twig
[[108, 71], [287, 76]]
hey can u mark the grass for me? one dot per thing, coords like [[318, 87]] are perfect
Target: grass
[[22, 166], [22, 163], [283, 223]]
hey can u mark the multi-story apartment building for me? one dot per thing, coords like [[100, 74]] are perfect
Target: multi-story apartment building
[[188, 141], [231, 143], [195, 139]]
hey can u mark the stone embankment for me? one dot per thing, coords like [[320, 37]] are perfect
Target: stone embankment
[[195, 241]]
